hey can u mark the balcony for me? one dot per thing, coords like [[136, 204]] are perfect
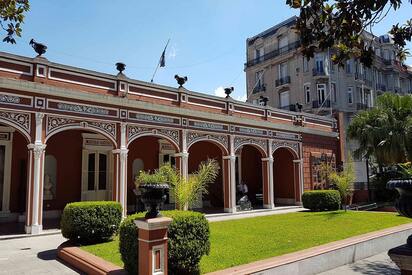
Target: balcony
[[368, 83], [259, 88], [282, 81], [359, 76], [318, 103], [318, 72], [361, 106], [275, 53]]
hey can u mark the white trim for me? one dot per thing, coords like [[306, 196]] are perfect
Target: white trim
[[204, 105], [242, 112], [8, 145], [81, 75], [82, 104], [38, 66], [161, 249], [17, 63], [226, 151], [151, 89]]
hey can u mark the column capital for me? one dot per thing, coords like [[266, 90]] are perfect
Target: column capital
[[270, 159], [230, 157], [39, 116], [182, 154], [120, 151], [37, 148], [298, 161]]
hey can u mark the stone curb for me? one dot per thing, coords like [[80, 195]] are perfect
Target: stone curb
[[86, 262], [268, 265]]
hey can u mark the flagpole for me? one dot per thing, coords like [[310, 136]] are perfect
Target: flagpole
[[158, 63]]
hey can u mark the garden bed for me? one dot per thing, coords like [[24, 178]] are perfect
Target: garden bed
[[237, 242]]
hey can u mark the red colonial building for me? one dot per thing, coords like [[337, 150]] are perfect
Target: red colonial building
[[69, 134]]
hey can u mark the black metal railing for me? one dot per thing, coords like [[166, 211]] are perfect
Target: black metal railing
[[361, 106], [282, 81], [259, 88], [318, 72], [318, 103], [275, 53], [381, 87]]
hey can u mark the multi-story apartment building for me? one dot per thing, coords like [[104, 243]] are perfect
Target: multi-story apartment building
[[277, 71]]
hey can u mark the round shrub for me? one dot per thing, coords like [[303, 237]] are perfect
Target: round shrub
[[91, 221], [188, 241], [321, 200]]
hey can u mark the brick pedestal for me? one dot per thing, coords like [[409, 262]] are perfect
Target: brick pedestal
[[152, 245]]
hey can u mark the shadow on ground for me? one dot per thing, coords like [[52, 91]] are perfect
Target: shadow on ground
[[378, 267]]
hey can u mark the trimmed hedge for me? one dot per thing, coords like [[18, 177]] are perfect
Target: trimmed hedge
[[188, 241], [321, 200], [91, 221]]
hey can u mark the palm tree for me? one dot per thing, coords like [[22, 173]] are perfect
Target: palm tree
[[384, 132]]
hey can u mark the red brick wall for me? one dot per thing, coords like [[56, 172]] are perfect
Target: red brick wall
[[283, 174], [199, 152], [66, 147], [252, 171], [317, 145], [18, 173]]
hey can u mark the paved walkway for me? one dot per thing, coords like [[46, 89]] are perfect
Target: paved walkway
[[378, 264], [32, 255], [253, 213]]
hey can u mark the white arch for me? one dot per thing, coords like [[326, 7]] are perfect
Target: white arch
[[290, 149], [218, 143], [257, 146], [17, 127], [79, 127], [151, 134]]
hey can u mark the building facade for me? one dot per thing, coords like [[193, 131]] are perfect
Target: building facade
[[69, 134], [276, 70]]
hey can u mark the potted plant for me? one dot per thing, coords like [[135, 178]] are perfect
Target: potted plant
[[153, 188]]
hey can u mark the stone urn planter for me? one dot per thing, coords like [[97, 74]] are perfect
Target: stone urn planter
[[153, 194], [402, 255]]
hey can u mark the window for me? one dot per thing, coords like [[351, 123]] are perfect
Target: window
[[348, 66], [259, 54], [283, 70], [350, 95], [305, 65], [319, 62], [283, 43], [333, 91], [386, 54], [321, 93], [306, 89], [284, 99], [259, 79]]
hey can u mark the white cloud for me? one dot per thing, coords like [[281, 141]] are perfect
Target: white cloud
[[242, 98], [172, 52], [220, 92]]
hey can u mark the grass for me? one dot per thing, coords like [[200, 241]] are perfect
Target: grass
[[243, 241]]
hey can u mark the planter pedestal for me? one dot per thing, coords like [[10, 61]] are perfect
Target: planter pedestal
[[402, 255], [152, 245]]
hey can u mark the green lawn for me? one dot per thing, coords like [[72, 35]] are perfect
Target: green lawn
[[243, 241]]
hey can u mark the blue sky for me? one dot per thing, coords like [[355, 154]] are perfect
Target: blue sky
[[208, 38]]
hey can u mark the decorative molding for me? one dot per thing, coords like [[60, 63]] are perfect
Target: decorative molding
[[84, 109], [55, 123], [193, 137], [294, 146], [154, 118], [241, 141], [19, 120], [134, 131], [4, 98]]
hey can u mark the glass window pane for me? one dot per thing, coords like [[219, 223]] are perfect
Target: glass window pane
[[91, 172], [102, 171]]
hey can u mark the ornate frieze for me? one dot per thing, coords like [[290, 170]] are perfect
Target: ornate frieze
[[249, 131], [54, 123], [153, 118], [9, 99], [204, 125], [240, 141], [21, 120], [193, 137], [276, 144], [133, 131], [82, 109]]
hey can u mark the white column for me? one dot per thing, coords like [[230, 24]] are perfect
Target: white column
[[121, 185], [36, 176], [184, 155], [271, 184], [232, 175]]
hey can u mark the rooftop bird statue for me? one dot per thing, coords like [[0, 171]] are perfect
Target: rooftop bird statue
[[181, 80], [120, 67], [228, 91], [39, 48]]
